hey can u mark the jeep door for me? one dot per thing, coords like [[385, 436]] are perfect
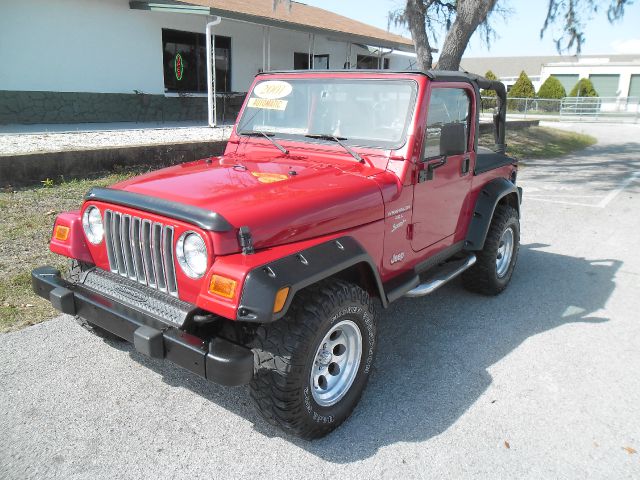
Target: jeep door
[[443, 180]]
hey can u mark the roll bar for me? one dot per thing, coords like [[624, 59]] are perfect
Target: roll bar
[[500, 117]]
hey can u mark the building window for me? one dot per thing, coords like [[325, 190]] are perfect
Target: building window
[[634, 86], [371, 62], [301, 61], [605, 85], [568, 81], [184, 62]]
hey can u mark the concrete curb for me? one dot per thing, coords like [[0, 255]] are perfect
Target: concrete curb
[[511, 125]]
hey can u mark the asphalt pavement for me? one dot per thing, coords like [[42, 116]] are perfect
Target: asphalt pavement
[[542, 381]]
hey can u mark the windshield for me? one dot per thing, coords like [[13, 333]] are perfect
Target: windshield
[[363, 112]]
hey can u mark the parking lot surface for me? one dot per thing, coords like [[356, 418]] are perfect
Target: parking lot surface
[[540, 382]]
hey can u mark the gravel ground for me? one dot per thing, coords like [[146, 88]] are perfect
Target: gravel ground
[[20, 143], [539, 382]]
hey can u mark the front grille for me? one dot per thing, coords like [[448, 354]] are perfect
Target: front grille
[[141, 250]]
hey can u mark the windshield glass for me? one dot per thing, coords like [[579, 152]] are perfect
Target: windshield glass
[[363, 112]]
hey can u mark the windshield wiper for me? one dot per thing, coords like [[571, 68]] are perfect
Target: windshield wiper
[[338, 140], [268, 136]]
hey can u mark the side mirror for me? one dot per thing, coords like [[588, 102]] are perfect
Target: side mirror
[[453, 139]]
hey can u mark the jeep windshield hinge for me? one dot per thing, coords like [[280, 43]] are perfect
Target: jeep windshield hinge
[[246, 241]]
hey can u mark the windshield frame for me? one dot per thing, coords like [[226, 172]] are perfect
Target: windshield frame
[[352, 142]]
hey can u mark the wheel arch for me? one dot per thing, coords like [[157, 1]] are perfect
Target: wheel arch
[[499, 191], [348, 260], [364, 275]]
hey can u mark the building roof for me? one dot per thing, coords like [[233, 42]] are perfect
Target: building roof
[[512, 66], [305, 18]]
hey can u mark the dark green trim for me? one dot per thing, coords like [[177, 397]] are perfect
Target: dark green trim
[[31, 107]]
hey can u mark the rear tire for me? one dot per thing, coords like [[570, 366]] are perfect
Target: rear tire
[[494, 266], [312, 365]]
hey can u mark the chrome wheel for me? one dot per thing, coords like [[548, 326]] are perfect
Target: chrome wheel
[[336, 363], [505, 252]]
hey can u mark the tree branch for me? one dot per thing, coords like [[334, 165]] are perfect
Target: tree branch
[[415, 18], [573, 14], [469, 15]]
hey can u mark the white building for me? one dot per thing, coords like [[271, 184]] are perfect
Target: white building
[[611, 75], [118, 60]]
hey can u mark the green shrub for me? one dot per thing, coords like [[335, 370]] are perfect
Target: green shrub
[[489, 76], [489, 96], [584, 88], [523, 88], [552, 88]]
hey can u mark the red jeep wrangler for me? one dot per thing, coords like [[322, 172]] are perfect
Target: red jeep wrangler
[[263, 266]]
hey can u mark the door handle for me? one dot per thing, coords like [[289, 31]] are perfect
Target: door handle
[[433, 165]]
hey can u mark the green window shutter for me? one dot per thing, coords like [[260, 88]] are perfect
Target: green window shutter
[[605, 85], [567, 81], [634, 86]]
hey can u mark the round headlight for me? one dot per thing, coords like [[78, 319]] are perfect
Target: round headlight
[[191, 252], [92, 224]]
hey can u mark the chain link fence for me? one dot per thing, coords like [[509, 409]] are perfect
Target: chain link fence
[[611, 109]]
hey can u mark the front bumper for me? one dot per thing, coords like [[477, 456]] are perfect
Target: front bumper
[[220, 361]]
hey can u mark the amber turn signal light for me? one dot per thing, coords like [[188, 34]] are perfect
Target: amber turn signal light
[[61, 233], [281, 299], [225, 287]]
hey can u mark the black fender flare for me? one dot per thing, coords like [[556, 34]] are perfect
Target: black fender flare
[[298, 271], [488, 199]]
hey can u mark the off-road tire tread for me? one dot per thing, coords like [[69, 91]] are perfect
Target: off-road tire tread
[[281, 349], [481, 277]]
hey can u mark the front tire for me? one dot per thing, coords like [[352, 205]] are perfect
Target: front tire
[[312, 366], [494, 265]]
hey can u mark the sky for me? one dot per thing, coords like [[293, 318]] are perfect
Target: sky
[[518, 34]]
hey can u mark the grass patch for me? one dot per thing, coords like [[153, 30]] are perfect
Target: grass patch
[[541, 142], [28, 214], [20, 306], [27, 219]]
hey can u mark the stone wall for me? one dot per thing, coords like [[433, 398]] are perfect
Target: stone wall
[[81, 107]]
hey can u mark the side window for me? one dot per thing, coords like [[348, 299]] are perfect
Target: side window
[[447, 105]]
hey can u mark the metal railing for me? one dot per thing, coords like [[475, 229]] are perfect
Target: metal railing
[[613, 109]]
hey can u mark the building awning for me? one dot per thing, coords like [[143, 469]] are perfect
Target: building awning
[[301, 17]]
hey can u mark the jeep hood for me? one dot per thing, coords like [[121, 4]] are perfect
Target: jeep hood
[[281, 199]]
